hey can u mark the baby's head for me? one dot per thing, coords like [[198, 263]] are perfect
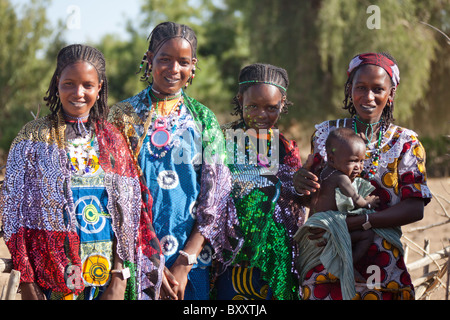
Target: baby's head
[[345, 151]]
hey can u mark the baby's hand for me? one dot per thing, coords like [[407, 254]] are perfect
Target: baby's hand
[[372, 201]]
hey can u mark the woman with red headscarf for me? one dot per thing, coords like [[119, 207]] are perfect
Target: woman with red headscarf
[[395, 166]]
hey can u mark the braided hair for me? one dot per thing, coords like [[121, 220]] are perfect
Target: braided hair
[[261, 73], [162, 33], [68, 56], [388, 111]]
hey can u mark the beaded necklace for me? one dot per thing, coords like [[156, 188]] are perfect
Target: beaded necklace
[[262, 158], [163, 126], [79, 120], [82, 155], [371, 170], [321, 172]]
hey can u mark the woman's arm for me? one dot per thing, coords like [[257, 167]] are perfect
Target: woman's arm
[[118, 283], [405, 212], [180, 269]]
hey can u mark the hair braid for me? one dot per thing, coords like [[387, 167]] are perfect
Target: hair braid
[[162, 33], [260, 72], [68, 56]]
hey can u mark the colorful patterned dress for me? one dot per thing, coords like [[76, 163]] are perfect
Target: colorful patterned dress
[[269, 214], [400, 175], [63, 203], [187, 179]]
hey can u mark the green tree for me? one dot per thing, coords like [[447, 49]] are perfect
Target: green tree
[[315, 40], [22, 71]]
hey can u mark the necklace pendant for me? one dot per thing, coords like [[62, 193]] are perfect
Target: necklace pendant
[[160, 137]]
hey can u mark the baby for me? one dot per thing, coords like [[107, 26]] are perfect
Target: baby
[[346, 154]]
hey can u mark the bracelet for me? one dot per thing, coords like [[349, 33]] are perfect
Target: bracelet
[[124, 272], [192, 258], [366, 225]]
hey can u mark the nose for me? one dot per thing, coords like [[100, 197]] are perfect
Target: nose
[[370, 95], [175, 67], [262, 114], [79, 91]]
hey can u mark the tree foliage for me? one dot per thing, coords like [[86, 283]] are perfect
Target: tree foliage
[[21, 70], [313, 40]]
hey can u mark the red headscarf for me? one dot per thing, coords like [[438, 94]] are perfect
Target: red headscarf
[[378, 60]]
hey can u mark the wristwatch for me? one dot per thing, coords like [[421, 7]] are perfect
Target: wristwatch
[[125, 272], [192, 258], [366, 225]]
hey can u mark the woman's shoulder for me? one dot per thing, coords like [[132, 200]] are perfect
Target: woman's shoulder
[[233, 125], [197, 107], [397, 131], [35, 130]]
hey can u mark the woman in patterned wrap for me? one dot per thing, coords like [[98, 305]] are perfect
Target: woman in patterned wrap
[[179, 147], [73, 215], [262, 163], [395, 166]]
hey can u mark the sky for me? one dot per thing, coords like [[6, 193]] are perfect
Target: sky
[[89, 20]]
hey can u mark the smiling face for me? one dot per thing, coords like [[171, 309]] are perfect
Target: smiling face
[[371, 89], [172, 65], [78, 87], [262, 104]]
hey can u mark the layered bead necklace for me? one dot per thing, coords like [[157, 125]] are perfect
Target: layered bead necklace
[[81, 150], [163, 126], [262, 158], [370, 171]]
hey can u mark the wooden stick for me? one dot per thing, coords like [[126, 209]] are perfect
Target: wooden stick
[[429, 259], [426, 249], [13, 285], [6, 265], [428, 256], [422, 228]]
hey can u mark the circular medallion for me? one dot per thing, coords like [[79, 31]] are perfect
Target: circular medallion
[[169, 245], [89, 216], [168, 179], [96, 270], [160, 137]]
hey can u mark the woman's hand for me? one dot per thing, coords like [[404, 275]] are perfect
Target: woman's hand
[[177, 279], [31, 291], [115, 289], [305, 182], [168, 282], [317, 233]]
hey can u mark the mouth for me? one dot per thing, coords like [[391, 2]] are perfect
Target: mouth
[[368, 107], [172, 80], [261, 125], [78, 104]]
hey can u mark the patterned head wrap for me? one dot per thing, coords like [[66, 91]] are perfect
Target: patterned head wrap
[[378, 60]]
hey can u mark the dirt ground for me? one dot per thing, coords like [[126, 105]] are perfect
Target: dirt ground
[[439, 237]]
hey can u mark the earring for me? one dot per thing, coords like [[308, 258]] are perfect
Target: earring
[[142, 63], [190, 78], [98, 96]]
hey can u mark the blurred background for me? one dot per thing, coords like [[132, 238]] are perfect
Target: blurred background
[[313, 40]]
